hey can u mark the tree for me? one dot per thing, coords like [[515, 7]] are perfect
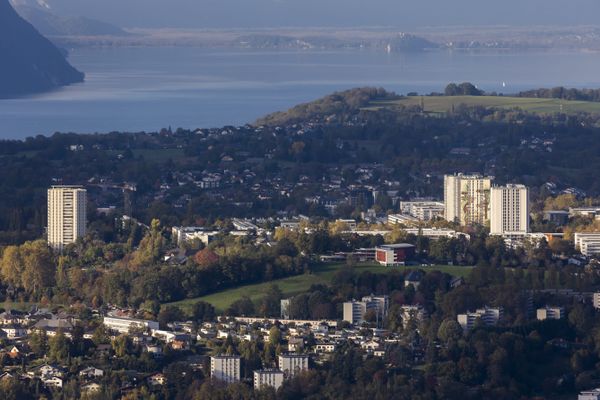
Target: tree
[[38, 342], [449, 329], [274, 335], [271, 303], [170, 314], [206, 258], [203, 311], [58, 347], [12, 266]]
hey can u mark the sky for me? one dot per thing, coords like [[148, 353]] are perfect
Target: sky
[[403, 14]]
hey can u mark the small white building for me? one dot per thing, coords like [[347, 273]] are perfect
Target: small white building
[[488, 315], [550, 313], [268, 377], [588, 243], [123, 325]]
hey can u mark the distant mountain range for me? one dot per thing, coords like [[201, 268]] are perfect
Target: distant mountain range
[[39, 14], [30, 62]]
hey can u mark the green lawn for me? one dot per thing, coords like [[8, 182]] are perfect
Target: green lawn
[[301, 283], [444, 103]]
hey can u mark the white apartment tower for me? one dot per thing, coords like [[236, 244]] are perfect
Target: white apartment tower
[[510, 210], [291, 364], [66, 215], [225, 368], [467, 198]]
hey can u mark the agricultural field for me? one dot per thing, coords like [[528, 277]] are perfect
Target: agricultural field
[[442, 104]]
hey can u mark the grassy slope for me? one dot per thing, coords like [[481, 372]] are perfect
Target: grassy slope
[[544, 106], [298, 284]]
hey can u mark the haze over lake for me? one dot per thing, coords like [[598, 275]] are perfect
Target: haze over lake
[[148, 88]]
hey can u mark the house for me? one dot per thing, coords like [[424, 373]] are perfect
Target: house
[[91, 372], [295, 344], [325, 347], [14, 332], [413, 279], [14, 352], [370, 346], [52, 381], [154, 349], [157, 380], [48, 370], [91, 388]]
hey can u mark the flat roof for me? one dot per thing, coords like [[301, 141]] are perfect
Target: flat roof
[[395, 246]]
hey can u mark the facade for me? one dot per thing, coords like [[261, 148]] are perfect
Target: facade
[[509, 210], [183, 234], [66, 215], [467, 198], [437, 233], [487, 315], [225, 368], [268, 377], [354, 311], [402, 219], [291, 364], [394, 254], [589, 395], [588, 243], [422, 210], [596, 300], [123, 325], [550, 313]]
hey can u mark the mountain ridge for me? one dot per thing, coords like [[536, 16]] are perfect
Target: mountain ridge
[[31, 63]]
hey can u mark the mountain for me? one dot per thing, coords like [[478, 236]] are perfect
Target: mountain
[[30, 62], [50, 24]]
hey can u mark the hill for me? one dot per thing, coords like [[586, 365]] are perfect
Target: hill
[[340, 104], [50, 24], [442, 104], [30, 62]]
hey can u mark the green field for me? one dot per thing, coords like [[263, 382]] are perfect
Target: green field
[[440, 104], [301, 283]]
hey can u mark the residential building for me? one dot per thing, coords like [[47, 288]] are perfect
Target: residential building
[[422, 210], [291, 364], [589, 395], [394, 254], [268, 377], [596, 300], [584, 211], [509, 210], [66, 215], [225, 368], [550, 313], [401, 219], [124, 325], [354, 311], [588, 243], [558, 217], [184, 234], [488, 316], [467, 198], [437, 233]]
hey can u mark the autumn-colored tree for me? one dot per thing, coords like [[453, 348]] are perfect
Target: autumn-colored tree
[[206, 258]]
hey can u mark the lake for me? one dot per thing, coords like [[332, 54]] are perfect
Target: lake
[[148, 88]]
